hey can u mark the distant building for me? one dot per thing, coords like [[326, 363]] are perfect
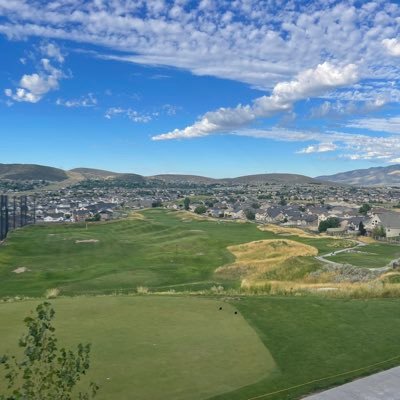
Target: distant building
[[390, 221]]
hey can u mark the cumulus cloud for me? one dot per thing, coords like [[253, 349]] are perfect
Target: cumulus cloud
[[392, 46], [32, 87], [311, 82]]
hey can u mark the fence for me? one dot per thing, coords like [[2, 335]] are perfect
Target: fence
[[15, 213]]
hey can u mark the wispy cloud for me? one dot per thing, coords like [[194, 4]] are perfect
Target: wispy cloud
[[318, 148], [311, 82], [133, 115], [390, 125], [142, 116], [86, 101]]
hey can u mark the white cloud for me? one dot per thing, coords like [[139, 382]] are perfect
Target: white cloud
[[349, 146], [86, 101], [390, 125], [32, 87], [133, 115], [311, 82], [318, 148], [51, 50], [392, 46], [142, 117], [252, 41]]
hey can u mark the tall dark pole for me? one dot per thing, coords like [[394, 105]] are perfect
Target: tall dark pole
[[34, 209], [15, 213], [6, 215], [2, 227], [21, 211]]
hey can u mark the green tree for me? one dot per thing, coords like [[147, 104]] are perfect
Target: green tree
[[361, 229], [156, 203], [282, 201], [45, 372], [250, 214], [200, 209], [331, 222], [186, 203], [378, 232], [364, 209]]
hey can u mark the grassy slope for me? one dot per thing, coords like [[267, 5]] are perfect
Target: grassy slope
[[313, 338], [161, 252], [158, 348], [374, 255]]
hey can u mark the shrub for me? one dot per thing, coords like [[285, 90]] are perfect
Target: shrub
[[45, 372]]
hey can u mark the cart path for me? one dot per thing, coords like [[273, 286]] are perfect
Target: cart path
[[381, 386]]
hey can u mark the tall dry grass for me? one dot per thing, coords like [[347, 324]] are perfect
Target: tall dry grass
[[254, 259]]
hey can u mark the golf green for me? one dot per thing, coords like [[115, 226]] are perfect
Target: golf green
[[151, 348]]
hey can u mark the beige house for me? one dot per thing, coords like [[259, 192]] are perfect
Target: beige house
[[390, 222]]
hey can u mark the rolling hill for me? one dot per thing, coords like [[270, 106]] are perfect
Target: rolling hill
[[271, 178], [31, 172], [39, 172], [375, 176], [91, 173]]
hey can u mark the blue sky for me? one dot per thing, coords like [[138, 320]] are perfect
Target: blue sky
[[216, 88]]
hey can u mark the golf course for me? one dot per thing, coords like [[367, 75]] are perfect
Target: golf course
[[161, 298]]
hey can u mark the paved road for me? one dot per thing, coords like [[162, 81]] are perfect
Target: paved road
[[382, 386]]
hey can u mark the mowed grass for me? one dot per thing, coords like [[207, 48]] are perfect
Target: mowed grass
[[312, 338], [374, 255], [164, 250], [153, 348], [171, 348]]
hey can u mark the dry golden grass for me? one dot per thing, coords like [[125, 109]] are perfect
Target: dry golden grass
[[280, 230], [137, 216], [366, 239], [255, 258], [373, 289], [341, 243], [52, 293]]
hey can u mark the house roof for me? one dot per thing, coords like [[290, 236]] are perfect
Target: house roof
[[390, 219]]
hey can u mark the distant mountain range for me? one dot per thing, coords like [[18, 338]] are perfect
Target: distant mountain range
[[378, 176]]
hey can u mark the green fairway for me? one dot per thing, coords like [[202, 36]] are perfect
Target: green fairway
[[314, 338], [153, 348], [165, 250], [375, 255]]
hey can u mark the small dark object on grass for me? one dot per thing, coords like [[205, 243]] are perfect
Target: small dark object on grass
[[235, 312], [220, 308]]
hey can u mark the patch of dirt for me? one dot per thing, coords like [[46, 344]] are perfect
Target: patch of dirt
[[21, 270], [87, 241]]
